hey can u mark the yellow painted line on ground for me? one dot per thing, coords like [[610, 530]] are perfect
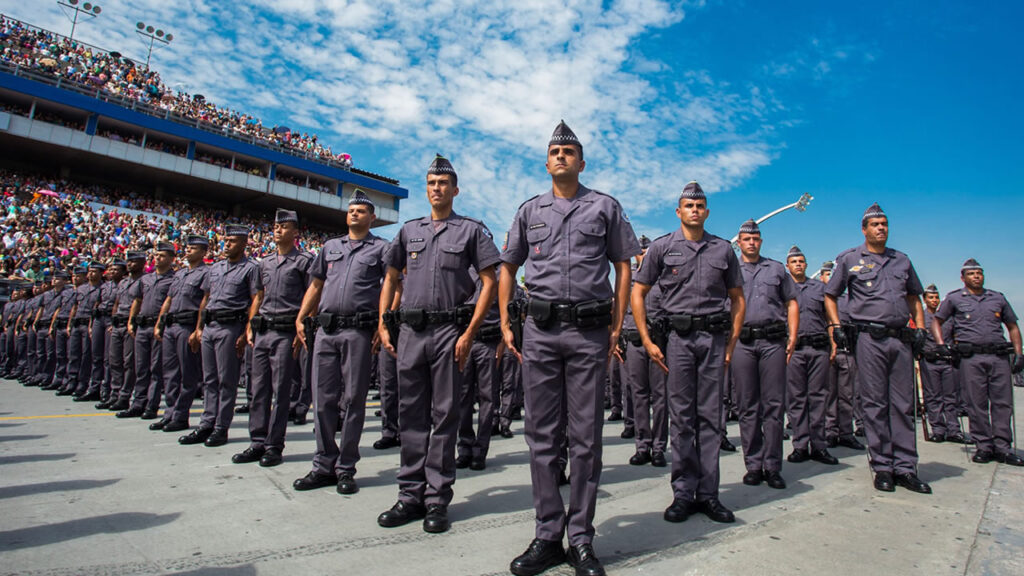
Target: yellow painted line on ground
[[52, 416]]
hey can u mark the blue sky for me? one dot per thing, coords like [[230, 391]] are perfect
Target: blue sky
[[914, 105]]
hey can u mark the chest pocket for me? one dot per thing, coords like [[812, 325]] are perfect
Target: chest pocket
[[453, 257], [194, 285], [768, 285], [369, 266], [589, 239], [537, 239], [866, 278], [416, 255], [677, 269]]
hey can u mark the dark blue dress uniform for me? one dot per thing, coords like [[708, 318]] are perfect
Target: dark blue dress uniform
[[437, 257], [150, 292], [284, 278], [878, 285], [566, 246], [694, 278], [231, 287], [352, 272], [182, 368], [978, 321]]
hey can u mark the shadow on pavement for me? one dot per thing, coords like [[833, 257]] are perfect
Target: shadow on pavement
[[493, 500], [22, 437], [83, 527], [22, 458], [246, 570], [933, 471], [62, 486]]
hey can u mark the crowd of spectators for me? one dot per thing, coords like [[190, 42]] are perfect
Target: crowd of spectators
[[49, 224], [49, 53]]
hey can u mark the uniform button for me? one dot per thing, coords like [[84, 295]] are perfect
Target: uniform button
[[869, 284]]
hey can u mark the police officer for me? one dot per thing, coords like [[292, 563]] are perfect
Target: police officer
[[699, 276], [61, 332], [758, 366], [647, 381], [807, 370], [884, 295], [480, 383], [7, 317], [87, 299], [275, 342], [387, 375], [101, 330], [51, 304], [229, 300], [978, 315], [30, 312], [122, 342], [345, 291], [437, 334], [18, 335], [148, 295], [179, 341], [843, 400], [566, 238], [511, 370], [938, 381]]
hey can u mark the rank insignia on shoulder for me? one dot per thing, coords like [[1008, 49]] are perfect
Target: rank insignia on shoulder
[[856, 269]]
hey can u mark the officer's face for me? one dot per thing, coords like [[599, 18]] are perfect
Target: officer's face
[[78, 279], [360, 217], [931, 301], [973, 279], [440, 190], [136, 266], [565, 162], [194, 253], [750, 245], [797, 266], [825, 275], [95, 276], [876, 230], [59, 283], [234, 246], [692, 213], [164, 259], [117, 274], [285, 232]]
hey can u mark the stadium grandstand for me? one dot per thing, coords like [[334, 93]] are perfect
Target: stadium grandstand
[[80, 120]]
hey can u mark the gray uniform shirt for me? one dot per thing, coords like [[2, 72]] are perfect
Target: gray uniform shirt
[[437, 261], [232, 285], [810, 297], [694, 277], [566, 245], [947, 331], [878, 285], [152, 290], [87, 297], [108, 292], [493, 315], [186, 290], [284, 279], [51, 300], [767, 288], [352, 272], [124, 297], [66, 301], [977, 319]]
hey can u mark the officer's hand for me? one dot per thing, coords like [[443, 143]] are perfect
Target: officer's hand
[[920, 338], [240, 345], [298, 344], [728, 353], [131, 330], [375, 343], [946, 350], [656, 355], [832, 355], [462, 348], [613, 342], [839, 337], [300, 332], [618, 355], [499, 350], [249, 335], [510, 342], [790, 347], [385, 340], [158, 333], [194, 340], [1017, 365]]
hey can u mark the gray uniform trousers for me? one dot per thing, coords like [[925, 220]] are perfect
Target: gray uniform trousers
[[940, 397], [50, 362], [387, 373], [511, 387], [429, 390], [272, 378], [989, 390], [181, 372], [841, 399], [564, 371], [341, 379], [696, 363], [149, 368], [961, 390], [98, 341], [807, 386], [221, 367], [30, 352], [647, 383], [122, 364], [302, 385], [479, 382], [79, 359], [43, 352], [20, 347], [885, 374], [60, 347], [759, 369]]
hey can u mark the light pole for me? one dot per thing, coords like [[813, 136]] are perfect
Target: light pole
[[800, 205], [154, 35], [89, 9]]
